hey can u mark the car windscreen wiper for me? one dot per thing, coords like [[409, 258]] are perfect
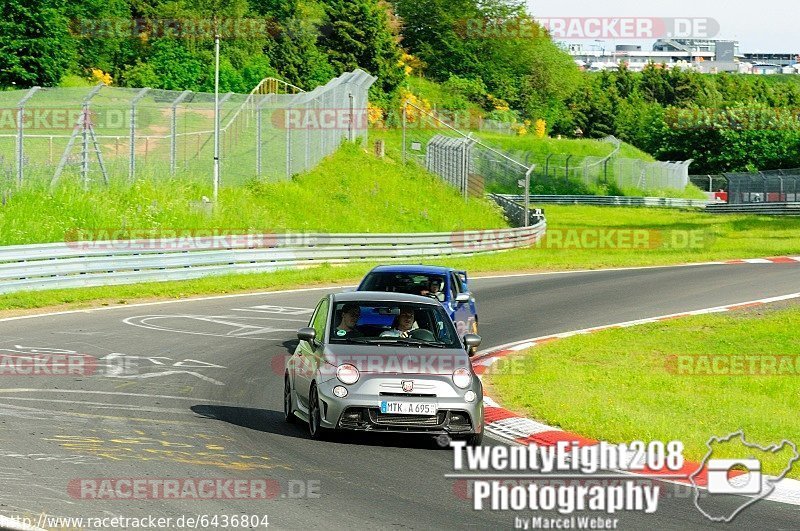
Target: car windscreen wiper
[[419, 342], [410, 341]]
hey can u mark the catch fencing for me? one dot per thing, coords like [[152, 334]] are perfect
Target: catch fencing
[[773, 186], [99, 134], [434, 140], [99, 263]]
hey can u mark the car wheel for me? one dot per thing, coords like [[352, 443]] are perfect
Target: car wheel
[[315, 428], [288, 412], [476, 439]]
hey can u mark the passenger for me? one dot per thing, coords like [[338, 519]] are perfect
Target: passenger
[[347, 324]]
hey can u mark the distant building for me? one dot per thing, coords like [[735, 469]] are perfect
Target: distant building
[[703, 55]]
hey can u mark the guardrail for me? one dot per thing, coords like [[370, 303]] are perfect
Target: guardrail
[[612, 200], [515, 212], [96, 263], [770, 209]]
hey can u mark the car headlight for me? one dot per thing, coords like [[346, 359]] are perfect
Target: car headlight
[[462, 378], [347, 374]]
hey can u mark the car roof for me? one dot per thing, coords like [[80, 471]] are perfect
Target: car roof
[[418, 269], [381, 296]]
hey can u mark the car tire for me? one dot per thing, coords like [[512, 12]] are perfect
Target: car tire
[[315, 429], [476, 439], [288, 412]]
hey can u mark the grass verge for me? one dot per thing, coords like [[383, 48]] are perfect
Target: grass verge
[[650, 382], [673, 237], [350, 191]]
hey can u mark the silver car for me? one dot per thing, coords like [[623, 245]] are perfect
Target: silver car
[[384, 362]]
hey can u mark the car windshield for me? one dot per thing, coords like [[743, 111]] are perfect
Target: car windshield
[[430, 285], [393, 323]]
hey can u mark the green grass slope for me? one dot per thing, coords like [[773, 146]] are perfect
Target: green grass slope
[[350, 191]]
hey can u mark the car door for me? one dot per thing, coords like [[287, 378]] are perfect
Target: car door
[[309, 353], [461, 312], [473, 308]]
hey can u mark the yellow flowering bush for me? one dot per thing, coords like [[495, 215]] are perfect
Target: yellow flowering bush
[[374, 114], [412, 112], [541, 128], [98, 76]]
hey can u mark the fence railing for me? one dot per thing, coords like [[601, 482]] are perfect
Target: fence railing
[[515, 212], [435, 140], [104, 133], [610, 200], [766, 209], [98, 263]]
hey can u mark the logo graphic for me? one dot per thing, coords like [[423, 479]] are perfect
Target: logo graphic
[[741, 477], [408, 386], [718, 479]]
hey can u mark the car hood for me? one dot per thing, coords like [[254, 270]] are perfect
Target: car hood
[[397, 360]]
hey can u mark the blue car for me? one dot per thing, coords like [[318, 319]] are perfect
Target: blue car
[[448, 286]]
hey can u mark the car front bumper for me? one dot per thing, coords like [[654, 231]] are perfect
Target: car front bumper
[[360, 409]]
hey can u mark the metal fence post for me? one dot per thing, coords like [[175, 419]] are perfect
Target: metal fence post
[[528, 195], [132, 162], [21, 133], [566, 171], [405, 117], [173, 144], [308, 140], [288, 148], [350, 137], [258, 137]]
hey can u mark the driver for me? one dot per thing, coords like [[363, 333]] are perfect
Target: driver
[[403, 324]]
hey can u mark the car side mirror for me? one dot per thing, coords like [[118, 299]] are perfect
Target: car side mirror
[[307, 334], [471, 342], [463, 298]]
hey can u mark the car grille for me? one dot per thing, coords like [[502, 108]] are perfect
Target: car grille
[[418, 395], [406, 420], [361, 418]]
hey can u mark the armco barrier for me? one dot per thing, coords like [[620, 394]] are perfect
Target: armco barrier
[[515, 212], [612, 200], [769, 209], [95, 263]]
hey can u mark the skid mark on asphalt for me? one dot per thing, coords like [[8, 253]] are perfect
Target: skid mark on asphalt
[[199, 449], [227, 326], [85, 438]]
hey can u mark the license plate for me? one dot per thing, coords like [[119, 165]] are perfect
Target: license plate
[[408, 408]]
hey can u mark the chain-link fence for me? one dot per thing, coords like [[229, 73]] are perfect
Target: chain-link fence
[[461, 159], [101, 134], [773, 186], [503, 171]]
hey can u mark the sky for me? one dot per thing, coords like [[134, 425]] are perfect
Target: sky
[[762, 26]]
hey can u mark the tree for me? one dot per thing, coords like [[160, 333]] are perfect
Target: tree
[[356, 34], [35, 47]]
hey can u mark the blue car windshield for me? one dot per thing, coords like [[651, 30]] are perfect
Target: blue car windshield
[[408, 283], [393, 323]]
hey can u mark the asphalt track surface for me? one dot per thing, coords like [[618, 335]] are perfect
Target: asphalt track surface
[[203, 400]]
